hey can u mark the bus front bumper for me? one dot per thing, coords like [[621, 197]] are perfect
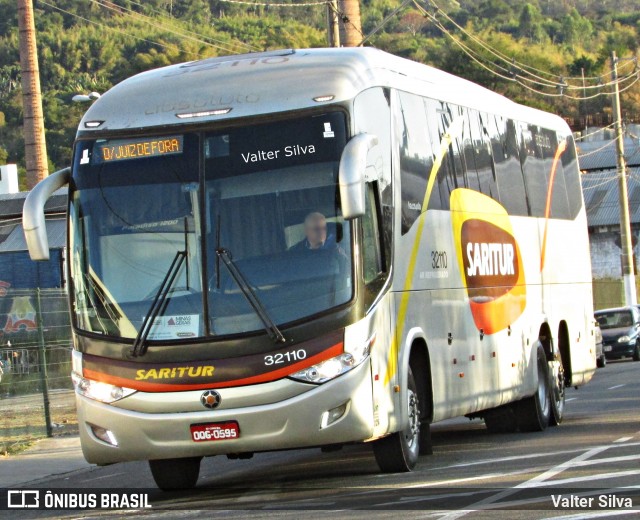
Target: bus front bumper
[[111, 434]]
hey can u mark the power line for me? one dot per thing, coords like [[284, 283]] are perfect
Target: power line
[[151, 21], [187, 31], [511, 61], [114, 29], [274, 4], [517, 76]]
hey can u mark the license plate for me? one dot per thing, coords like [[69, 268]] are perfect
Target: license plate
[[607, 348], [221, 431]]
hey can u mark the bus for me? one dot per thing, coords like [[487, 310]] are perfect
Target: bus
[[311, 248]]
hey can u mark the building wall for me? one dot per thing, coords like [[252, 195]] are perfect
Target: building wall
[[605, 255]]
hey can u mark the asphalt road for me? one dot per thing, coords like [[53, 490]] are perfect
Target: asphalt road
[[588, 459]]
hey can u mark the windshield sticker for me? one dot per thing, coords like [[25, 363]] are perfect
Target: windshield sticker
[[175, 327], [127, 149], [328, 133], [85, 156]]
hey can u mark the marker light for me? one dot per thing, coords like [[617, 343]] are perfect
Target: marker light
[[93, 124], [324, 99], [204, 113], [332, 368]]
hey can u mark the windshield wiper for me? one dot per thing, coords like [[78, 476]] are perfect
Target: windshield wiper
[[140, 343], [248, 292]]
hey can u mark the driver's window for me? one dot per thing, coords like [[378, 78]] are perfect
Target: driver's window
[[372, 256]]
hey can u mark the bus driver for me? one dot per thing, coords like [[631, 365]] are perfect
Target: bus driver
[[315, 230]]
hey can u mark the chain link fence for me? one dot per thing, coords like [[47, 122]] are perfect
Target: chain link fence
[[36, 393]]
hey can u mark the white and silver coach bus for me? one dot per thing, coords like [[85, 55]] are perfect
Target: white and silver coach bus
[[317, 247]]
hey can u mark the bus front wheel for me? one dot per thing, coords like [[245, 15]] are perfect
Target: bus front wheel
[[173, 474], [399, 451]]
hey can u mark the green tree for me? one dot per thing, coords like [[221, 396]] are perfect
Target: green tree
[[531, 24]]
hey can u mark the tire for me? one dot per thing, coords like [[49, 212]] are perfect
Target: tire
[[501, 420], [556, 391], [533, 413], [426, 445], [636, 351], [173, 474], [398, 452], [601, 361]]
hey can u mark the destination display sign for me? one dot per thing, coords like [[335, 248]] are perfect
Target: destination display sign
[[137, 148], [276, 145]]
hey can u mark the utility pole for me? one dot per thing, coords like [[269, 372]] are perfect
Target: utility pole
[[35, 148], [626, 255], [350, 24], [333, 23]]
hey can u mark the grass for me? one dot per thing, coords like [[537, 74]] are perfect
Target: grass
[[22, 420]]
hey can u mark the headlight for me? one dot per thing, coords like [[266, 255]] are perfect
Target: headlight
[[624, 339], [96, 390], [332, 368]]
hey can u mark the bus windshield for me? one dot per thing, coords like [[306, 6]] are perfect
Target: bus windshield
[[261, 199]]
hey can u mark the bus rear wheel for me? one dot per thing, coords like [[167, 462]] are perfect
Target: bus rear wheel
[[533, 413], [556, 391], [173, 474], [399, 451]]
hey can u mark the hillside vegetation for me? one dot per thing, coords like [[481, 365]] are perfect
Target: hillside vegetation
[[89, 45]]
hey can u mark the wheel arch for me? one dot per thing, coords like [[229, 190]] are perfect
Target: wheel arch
[[416, 355], [564, 348], [546, 340]]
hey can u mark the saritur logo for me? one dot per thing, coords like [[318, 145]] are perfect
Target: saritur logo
[[490, 265], [490, 260]]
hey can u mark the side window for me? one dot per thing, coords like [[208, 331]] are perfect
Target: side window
[[484, 160], [455, 157], [534, 168], [445, 182], [416, 159], [372, 259], [555, 175], [571, 177], [506, 162], [373, 116], [469, 140]]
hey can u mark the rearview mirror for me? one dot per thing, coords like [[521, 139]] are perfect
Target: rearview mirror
[[33, 221], [351, 174]]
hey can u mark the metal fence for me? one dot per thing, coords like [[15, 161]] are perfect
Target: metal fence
[[36, 397]]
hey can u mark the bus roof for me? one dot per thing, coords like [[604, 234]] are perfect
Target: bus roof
[[231, 87]]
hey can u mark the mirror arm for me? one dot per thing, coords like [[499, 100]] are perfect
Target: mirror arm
[[351, 174], [33, 219]]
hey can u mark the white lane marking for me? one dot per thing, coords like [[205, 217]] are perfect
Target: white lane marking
[[533, 482], [570, 399], [511, 504], [624, 439], [103, 476], [518, 457], [599, 476], [598, 514], [614, 387]]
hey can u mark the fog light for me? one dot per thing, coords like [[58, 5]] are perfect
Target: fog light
[[103, 434], [331, 416]]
